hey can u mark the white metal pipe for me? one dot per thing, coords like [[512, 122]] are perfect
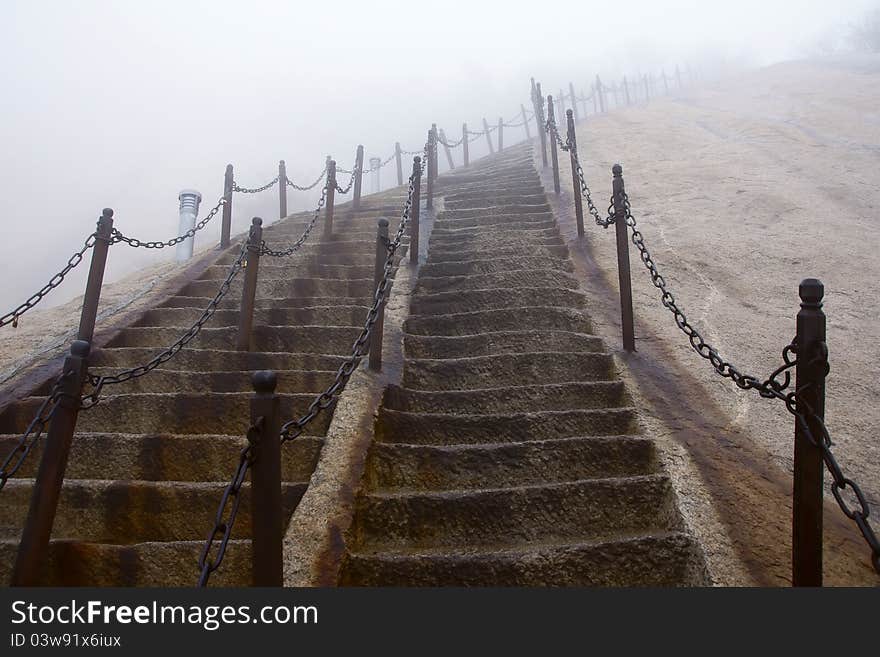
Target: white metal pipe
[[189, 210], [375, 163]]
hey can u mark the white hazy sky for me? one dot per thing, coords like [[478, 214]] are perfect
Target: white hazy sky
[[123, 103]]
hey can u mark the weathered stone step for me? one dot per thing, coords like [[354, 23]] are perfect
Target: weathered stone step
[[500, 194], [536, 318], [162, 380], [305, 287], [127, 512], [574, 511], [178, 413], [367, 257], [511, 198], [541, 277], [325, 316], [444, 237], [166, 457], [444, 303], [500, 342], [166, 564], [497, 221], [506, 369], [476, 252], [509, 399], [459, 429], [662, 559], [305, 339], [203, 360], [278, 268], [234, 303]]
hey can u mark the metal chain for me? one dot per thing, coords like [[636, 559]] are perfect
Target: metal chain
[[290, 183], [451, 144], [117, 236], [354, 172], [12, 316], [32, 434], [98, 382], [223, 526], [265, 250], [256, 190]]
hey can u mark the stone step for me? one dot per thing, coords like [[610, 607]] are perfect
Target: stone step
[[165, 564], [661, 559], [536, 318], [487, 253], [497, 298], [367, 257], [325, 316], [509, 398], [166, 457], [305, 287], [276, 268], [540, 277], [162, 380], [234, 303], [495, 265], [497, 221], [507, 369], [500, 342], [459, 429], [203, 360], [447, 236], [126, 512], [507, 517]]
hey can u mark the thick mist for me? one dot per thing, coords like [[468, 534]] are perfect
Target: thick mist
[[123, 104]]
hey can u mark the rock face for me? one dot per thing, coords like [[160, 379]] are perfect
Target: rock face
[[149, 463], [510, 454]]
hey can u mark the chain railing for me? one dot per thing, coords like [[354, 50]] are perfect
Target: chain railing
[[174, 241], [254, 190], [293, 248], [307, 188]]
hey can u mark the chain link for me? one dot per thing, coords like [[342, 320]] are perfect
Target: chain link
[[290, 183], [265, 250], [117, 236], [256, 190]]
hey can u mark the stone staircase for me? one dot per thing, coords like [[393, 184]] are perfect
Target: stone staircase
[[510, 454], [149, 463]]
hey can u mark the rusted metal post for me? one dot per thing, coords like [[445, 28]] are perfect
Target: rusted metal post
[[500, 134], [266, 508], [415, 212], [464, 144], [806, 525], [574, 103], [226, 225], [623, 271], [249, 289], [429, 191], [488, 136], [553, 155], [379, 272], [282, 189], [358, 177], [601, 92], [399, 162], [626, 91], [539, 120], [330, 198], [33, 550], [525, 120], [92, 296], [575, 180], [447, 149]]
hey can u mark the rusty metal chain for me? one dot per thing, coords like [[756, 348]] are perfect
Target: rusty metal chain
[[223, 525], [32, 434], [98, 382], [293, 248], [255, 190], [117, 236], [294, 428], [321, 176], [12, 316]]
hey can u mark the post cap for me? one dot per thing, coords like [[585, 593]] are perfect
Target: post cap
[[417, 159], [281, 162], [811, 290], [569, 113], [107, 213], [80, 348], [264, 381], [228, 167], [190, 192], [383, 222], [617, 170], [257, 221]]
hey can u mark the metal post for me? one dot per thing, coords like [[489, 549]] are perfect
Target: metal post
[[601, 93], [189, 211], [500, 134], [623, 271], [249, 290], [415, 211], [539, 120], [435, 154], [266, 509], [379, 272], [553, 155], [33, 550], [464, 144], [92, 296], [429, 203], [806, 525], [525, 120], [397, 159], [447, 149], [330, 198], [575, 181], [626, 90], [226, 226], [358, 177], [574, 103], [488, 136], [282, 189]]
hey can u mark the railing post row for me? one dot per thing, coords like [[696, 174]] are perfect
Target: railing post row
[[807, 489], [266, 508], [249, 289], [575, 182], [551, 117], [375, 361], [282, 189], [623, 270], [92, 296], [226, 225], [415, 211], [358, 177], [464, 144], [330, 197]]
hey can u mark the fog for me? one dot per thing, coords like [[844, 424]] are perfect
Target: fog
[[123, 104]]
